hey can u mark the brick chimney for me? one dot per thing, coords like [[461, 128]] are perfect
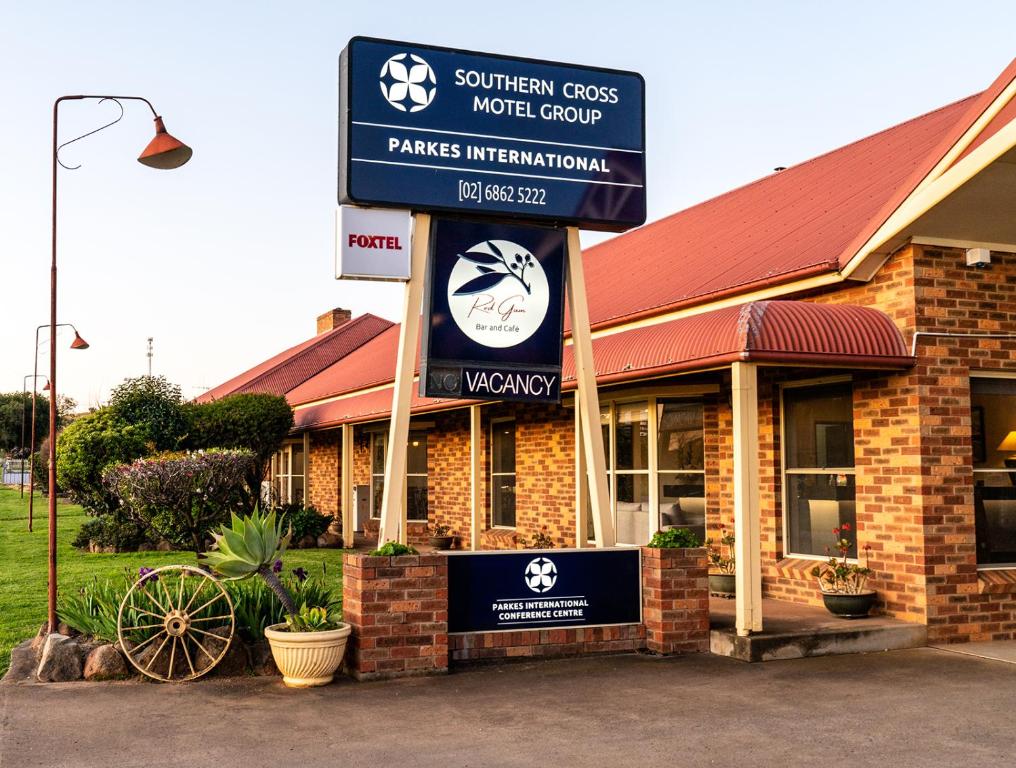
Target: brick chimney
[[332, 319]]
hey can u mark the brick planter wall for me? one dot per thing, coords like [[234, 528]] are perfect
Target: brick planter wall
[[546, 643], [675, 600], [398, 610]]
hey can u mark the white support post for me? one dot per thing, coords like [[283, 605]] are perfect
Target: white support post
[[346, 485], [475, 477], [581, 487], [747, 505], [393, 499], [588, 402]]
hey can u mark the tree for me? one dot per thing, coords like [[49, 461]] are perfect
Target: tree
[[255, 422], [154, 404], [15, 410], [182, 496]]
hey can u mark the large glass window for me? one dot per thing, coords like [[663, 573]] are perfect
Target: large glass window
[[819, 466], [681, 461], [502, 474], [288, 474], [631, 472], [993, 437], [416, 474]]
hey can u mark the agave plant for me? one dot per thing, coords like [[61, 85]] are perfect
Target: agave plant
[[251, 545]]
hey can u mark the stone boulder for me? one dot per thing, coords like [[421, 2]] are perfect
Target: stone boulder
[[261, 660], [24, 662], [329, 539], [61, 660], [105, 662]]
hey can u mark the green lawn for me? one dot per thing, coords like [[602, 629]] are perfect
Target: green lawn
[[23, 564]]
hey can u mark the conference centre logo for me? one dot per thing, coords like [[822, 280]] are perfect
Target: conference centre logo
[[541, 574]]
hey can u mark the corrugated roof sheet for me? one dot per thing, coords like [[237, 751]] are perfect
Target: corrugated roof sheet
[[793, 332], [287, 370]]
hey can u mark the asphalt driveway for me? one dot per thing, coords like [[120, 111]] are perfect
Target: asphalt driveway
[[903, 708]]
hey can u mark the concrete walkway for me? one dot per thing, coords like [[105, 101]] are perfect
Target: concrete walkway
[[903, 708]]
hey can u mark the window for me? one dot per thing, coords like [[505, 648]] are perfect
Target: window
[[681, 461], [655, 467], [288, 474], [416, 474], [818, 461], [993, 437], [502, 474]]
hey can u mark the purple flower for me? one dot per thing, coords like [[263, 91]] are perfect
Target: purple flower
[[300, 573], [277, 566], [147, 574]]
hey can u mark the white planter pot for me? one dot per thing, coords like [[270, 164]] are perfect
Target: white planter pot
[[306, 659]]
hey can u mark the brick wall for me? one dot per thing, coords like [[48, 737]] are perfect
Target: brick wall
[[323, 471], [398, 610], [675, 600]]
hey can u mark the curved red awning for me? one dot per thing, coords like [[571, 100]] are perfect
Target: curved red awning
[[774, 332]]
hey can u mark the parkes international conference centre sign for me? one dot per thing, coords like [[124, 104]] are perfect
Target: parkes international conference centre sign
[[438, 129]]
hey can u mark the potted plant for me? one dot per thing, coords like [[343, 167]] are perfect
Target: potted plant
[[842, 583], [441, 536], [308, 647], [723, 565]]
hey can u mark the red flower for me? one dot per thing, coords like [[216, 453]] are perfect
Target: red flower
[[836, 531], [846, 526]]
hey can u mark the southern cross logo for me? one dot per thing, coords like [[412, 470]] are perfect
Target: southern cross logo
[[408, 82], [541, 574], [498, 293]]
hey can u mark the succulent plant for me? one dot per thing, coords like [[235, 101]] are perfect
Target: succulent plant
[[252, 545]]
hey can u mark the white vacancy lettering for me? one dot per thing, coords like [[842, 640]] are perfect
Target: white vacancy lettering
[[497, 383]]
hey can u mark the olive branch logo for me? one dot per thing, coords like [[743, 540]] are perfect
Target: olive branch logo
[[493, 268]]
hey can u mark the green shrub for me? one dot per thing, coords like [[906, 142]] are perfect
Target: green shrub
[[257, 607], [114, 531], [87, 447], [254, 422], [92, 610], [393, 549], [182, 497], [674, 538], [153, 404], [303, 521]]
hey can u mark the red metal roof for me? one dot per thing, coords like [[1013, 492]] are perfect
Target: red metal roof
[[792, 332], [286, 370], [787, 225]]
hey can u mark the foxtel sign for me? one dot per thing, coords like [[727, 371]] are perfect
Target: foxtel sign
[[372, 244], [495, 295]]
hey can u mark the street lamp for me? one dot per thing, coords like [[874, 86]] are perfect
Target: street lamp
[[78, 343], [24, 396], [164, 152]]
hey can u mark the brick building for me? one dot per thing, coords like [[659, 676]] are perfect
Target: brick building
[[832, 343]]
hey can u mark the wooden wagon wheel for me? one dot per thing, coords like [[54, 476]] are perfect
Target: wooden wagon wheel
[[175, 623]]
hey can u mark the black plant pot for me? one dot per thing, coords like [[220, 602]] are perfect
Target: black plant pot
[[722, 584], [441, 542], [849, 606]]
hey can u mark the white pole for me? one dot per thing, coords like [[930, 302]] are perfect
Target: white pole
[[348, 513], [589, 399], [398, 435], [747, 506], [475, 477]]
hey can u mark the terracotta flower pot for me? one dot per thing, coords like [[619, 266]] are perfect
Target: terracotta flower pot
[[722, 584], [441, 542], [849, 606], [306, 659]]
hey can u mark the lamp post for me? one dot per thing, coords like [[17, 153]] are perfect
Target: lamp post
[[78, 343], [24, 396], [163, 152]]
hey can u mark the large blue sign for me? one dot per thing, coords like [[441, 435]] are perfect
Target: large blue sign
[[495, 308], [434, 128], [543, 589]]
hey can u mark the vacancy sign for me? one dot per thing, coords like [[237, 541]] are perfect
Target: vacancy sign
[[372, 244]]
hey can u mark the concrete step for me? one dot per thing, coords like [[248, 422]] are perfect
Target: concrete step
[[866, 637]]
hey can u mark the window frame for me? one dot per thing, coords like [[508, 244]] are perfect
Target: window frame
[[1010, 375], [382, 435], [784, 471], [494, 423], [285, 454]]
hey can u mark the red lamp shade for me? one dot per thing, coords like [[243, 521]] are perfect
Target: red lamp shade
[[165, 151], [78, 343], [46, 388]]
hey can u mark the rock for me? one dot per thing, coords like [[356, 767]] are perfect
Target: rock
[[164, 546], [308, 541], [40, 638], [335, 526], [105, 662], [24, 662], [61, 660], [329, 539], [261, 660], [233, 664]]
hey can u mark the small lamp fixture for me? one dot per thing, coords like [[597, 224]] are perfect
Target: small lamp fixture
[[46, 388], [78, 343], [1008, 444], [165, 151]]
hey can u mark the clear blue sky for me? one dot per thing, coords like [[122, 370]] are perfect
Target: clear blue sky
[[229, 259]]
